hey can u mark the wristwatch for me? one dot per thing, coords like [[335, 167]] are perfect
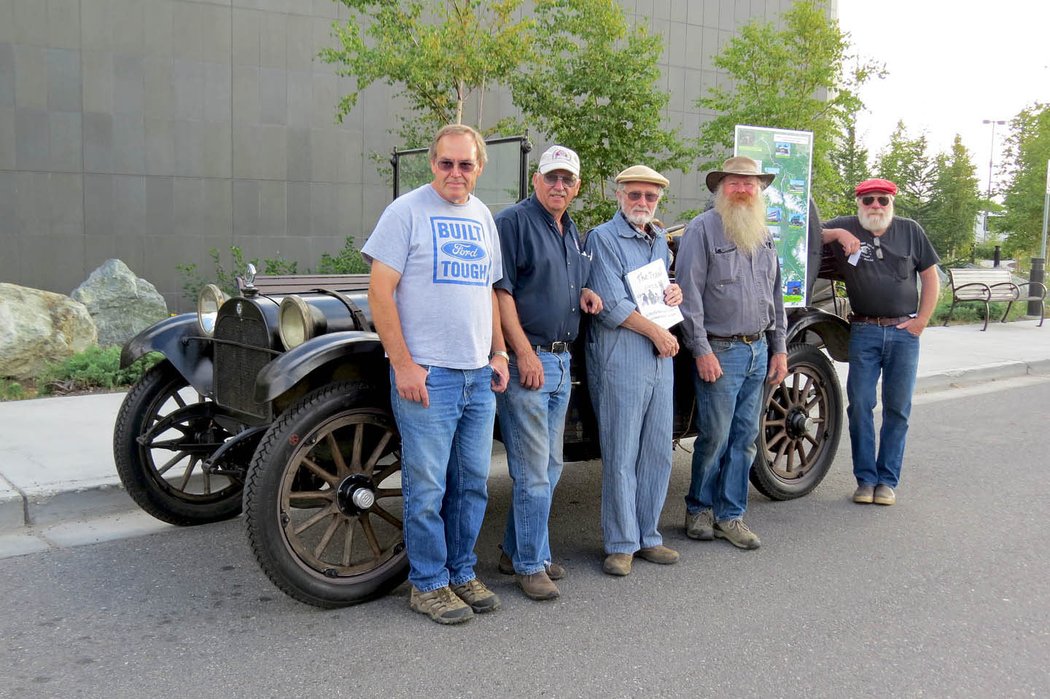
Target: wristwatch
[[500, 353]]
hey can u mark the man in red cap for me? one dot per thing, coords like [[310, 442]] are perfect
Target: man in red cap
[[879, 256]]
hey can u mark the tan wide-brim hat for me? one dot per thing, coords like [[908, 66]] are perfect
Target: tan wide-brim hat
[[739, 165], [641, 173]]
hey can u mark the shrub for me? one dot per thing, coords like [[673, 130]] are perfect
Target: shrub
[[94, 368], [226, 279], [346, 261], [11, 390]]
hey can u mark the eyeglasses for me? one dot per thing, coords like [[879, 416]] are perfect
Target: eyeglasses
[[651, 197], [878, 245], [553, 178], [883, 201], [446, 165]]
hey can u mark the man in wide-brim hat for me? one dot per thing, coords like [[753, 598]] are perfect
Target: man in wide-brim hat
[[735, 328]]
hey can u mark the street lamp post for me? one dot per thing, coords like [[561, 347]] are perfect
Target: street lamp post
[[1039, 263], [991, 160]]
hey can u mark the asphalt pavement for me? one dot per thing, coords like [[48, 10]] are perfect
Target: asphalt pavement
[[59, 486]]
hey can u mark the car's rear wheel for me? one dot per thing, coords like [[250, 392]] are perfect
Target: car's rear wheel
[[323, 503], [801, 427]]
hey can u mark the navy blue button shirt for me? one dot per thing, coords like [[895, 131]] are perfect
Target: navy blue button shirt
[[543, 270]]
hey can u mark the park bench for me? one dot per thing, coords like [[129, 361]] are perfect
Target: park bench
[[995, 284]]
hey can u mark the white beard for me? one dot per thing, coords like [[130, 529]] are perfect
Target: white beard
[[744, 222], [875, 221]]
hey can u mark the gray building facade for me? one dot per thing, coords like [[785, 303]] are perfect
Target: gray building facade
[[155, 130]]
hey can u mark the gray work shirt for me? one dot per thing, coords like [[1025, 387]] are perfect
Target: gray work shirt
[[725, 292]]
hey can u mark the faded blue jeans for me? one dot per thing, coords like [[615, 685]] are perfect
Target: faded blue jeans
[[532, 423], [728, 413], [446, 451], [894, 353]]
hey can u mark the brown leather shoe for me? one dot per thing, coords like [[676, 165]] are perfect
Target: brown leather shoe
[[537, 586], [617, 564], [506, 566], [658, 554]]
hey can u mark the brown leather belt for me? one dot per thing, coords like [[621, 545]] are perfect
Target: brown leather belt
[[878, 320], [554, 347], [746, 339]]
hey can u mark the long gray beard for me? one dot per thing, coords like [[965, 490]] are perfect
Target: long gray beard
[[744, 224], [876, 223]]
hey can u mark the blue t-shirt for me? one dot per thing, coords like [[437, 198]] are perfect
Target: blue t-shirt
[[448, 256]]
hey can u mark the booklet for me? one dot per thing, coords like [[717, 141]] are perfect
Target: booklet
[[647, 284]]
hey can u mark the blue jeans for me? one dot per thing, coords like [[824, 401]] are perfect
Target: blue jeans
[[532, 423], [895, 354], [446, 451], [728, 414]]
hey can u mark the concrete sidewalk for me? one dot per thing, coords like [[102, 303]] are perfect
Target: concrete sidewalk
[[56, 458]]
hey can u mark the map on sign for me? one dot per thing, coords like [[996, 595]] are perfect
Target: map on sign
[[788, 155]]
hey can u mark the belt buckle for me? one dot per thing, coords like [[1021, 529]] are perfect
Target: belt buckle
[[746, 339], [558, 347]]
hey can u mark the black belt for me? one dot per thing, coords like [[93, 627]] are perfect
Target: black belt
[[554, 347], [878, 320], [746, 339]]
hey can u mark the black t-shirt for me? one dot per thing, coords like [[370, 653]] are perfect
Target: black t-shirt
[[885, 287]]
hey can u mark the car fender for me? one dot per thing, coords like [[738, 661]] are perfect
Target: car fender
[[832, 330], [285, 371], [179, 339]]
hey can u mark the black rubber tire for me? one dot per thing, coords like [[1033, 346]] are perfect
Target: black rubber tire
[[794, 455], [157, 395], [296, 527]]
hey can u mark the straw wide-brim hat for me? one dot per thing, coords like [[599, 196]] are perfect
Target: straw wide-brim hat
[[738, 165]]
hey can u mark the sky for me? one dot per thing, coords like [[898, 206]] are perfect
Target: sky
[[950, 65]]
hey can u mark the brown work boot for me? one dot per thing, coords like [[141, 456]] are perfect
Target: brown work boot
[[441, 605], [658, 554], [480, 598], [617, 564], [864, 494], [884, 495], [506, 566], [537, 586]]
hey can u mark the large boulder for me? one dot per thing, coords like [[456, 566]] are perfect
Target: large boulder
[[38, 327], [120, 303]]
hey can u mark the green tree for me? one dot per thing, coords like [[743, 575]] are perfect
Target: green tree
[[954, 203], [440, 53], [792, 78], [1026, 157], [595, 91], [850, 160], [907, 164]]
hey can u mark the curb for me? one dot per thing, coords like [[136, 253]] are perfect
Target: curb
[[954, 378]]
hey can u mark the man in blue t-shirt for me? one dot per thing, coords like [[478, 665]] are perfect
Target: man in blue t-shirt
[[879, 256], [541, 296], [435, 255]]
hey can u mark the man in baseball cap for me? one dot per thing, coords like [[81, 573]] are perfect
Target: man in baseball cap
[[630, 376], [736, 329], [880, 256], [541, 297]]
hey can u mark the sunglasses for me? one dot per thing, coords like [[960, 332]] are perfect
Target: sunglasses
[[878, 245], [651, 197], [552, 178], [446, 165], [883, 200]]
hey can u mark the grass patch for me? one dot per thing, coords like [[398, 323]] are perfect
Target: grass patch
[[94, 369]]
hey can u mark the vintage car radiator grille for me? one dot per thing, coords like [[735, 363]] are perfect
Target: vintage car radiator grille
[[241, 350]]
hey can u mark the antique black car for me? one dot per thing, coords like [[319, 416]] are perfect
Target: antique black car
[[276, 402]]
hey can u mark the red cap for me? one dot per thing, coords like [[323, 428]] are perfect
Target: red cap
[[876, 185]]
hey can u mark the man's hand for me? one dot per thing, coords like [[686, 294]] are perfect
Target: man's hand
[[411, 383], [914, 325], [673, 295], [665, 342], [500, 373], [590, 302], [778, 368], [530, 370], [849, 242], [708, 367]]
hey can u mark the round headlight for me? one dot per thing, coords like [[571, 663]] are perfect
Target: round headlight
[[298, 321], [209, 301]]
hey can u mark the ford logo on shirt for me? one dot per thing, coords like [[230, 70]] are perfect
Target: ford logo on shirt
[[463, 251]]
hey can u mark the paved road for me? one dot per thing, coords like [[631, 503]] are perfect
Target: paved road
[[943, 595]]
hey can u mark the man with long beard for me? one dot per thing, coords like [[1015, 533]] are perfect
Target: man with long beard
[[631, 376], [879, 256], [734, 317]]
